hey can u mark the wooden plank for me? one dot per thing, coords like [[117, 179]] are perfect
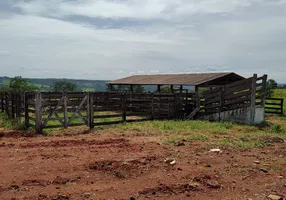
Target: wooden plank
[[273, 104], [238, 95], [274, 99], [193, 113], [262, 95], [237, 83], [107, 116], [270, 112], [273, 108], [38, 113], [107, 123], [77, 109], [239, 100], [53, 126], [77, 124], [53, 111], [65, 101], [240, 88]]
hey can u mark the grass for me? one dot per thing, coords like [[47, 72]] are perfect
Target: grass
[[281, 93], [214, 134], [7, 123]]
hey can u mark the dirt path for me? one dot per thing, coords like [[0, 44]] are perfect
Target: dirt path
[[104, 166]]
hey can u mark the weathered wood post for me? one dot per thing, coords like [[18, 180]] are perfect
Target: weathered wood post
[[7, 104], [18, 105], [175, 107], [221, 101], [197, 97], [12, 106], [253, 99], [282, 104], [152, 106], [38, 113], [2, 102], [26, 110], [264, 81], [65, 107], [91, 111], [124, 107]]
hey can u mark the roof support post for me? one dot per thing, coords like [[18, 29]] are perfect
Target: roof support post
[[253, 99], [159, 88], [181, 89], [172, 89], [131, 88], [110, 88], [197, 97]]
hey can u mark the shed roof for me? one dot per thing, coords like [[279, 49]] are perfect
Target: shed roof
[[196, 79]]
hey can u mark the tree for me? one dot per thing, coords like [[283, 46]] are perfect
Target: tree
[[63, 86], [271, 84], [19, 84]]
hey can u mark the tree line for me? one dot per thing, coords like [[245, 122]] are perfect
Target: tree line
[[19, 84]]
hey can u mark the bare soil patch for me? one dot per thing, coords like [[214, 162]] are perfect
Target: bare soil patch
[[110, 166]]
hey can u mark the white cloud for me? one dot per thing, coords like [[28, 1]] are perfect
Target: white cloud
[[161, 36], [137, 9]]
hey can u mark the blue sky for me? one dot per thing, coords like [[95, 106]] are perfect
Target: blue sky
[[110, 39]]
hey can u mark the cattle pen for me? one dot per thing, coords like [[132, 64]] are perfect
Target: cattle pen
[[241, 101]]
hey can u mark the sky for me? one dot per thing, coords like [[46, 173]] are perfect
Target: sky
[[111, 39]]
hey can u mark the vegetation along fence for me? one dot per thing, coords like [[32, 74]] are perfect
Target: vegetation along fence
[[274, 106], [53, 110]]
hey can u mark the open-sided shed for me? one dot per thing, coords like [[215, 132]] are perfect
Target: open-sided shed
[[181, 80]]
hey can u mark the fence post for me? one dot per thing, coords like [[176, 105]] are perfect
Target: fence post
[[2, 102], [253, 99], [221, 102], [91, 111], [13, 106], [26, 111], [18, 106], [264, 80], [65, 110], [38, 113], [7, 104], [197, 97], [282, 106], [124, 108], [152, 106]]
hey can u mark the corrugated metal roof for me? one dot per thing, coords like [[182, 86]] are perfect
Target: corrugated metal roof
[[174, 79]]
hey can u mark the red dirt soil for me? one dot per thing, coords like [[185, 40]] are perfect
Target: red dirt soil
[[105, 166]]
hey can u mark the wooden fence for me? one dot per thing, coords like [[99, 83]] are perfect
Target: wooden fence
[[246, 93], [54, 110], [274, 106]]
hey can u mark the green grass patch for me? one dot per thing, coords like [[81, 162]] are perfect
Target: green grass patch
[[197, 138], [7, 123]]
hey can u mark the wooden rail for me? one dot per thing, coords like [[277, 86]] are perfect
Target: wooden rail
[[52, 110], [274, 106], [247, 93]]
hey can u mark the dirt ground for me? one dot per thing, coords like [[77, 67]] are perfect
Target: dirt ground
[[127, 166]]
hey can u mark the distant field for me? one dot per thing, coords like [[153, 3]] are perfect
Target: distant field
[[45, 84], [281, 93]]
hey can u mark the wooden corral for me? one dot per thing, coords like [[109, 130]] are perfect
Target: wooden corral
[[52, 110]]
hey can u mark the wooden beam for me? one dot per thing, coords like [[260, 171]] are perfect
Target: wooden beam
[[197, 96], [253, 99], [38, 113], [132, 88], [159, 88], [172, 88]]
